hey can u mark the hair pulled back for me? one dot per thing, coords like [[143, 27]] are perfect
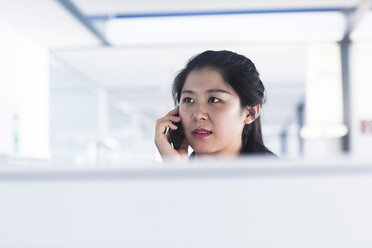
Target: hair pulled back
[[241, 74]]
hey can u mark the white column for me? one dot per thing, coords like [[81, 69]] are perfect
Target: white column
[[102, 125], [7, 91], [323, 108]]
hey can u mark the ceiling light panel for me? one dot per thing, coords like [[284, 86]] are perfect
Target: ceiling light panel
[[99, 7], [298, 27]]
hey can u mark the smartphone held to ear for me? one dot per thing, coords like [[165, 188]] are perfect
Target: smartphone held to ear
[[176, 136]]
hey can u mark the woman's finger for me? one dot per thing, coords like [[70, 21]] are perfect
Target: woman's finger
[[164, 125], [174, 118], [173, 111], [172, 126]]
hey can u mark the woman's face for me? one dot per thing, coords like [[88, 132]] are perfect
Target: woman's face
[[211, 113]]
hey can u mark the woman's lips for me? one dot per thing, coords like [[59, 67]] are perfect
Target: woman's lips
[[201, 133]]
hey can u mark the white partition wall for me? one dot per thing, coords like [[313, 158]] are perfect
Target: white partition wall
[[251, 203], [24, 95]]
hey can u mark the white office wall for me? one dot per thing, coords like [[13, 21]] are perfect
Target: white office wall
[[90, 125], [361, 100], [73, 112], [24, 95]]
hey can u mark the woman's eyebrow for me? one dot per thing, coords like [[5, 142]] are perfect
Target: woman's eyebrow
[[217, 91], [207, 91], [187, 92]]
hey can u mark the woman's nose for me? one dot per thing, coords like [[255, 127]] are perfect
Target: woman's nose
[[200, 113]]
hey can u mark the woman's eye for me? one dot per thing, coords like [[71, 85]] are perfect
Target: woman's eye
[[187, 100], [213, 100]]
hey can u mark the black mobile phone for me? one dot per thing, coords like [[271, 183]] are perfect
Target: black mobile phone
[[176, 136]]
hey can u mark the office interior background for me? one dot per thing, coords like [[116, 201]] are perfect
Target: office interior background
[[83, 81]]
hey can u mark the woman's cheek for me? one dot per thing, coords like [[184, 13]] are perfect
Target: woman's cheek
[[185, 119], [218, 115]]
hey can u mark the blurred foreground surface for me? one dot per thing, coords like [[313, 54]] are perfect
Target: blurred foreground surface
[[208, 203]]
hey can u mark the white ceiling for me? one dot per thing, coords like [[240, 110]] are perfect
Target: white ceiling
[[46, 22]]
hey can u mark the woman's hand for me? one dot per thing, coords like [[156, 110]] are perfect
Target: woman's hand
[[162, 137]]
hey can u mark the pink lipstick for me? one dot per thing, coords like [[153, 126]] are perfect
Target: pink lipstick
[[201, 133]]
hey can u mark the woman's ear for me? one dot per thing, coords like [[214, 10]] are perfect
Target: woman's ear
[[253, 112]]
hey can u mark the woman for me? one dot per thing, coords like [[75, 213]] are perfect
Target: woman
[[219, 96]]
